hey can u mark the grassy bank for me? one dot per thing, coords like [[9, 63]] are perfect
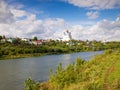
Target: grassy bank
[[100, 73], [9, 57], [21, 56], [9, 51], [90, 75]]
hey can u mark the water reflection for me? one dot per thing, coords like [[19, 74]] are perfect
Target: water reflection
[[65, 59]]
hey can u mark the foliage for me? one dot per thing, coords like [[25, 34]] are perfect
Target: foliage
[[65, 77], [109, 51], [84, 75], [31, 85], [116, 84], [35, 38], [114, 77], [0, 54], [87, 75], [19, 48]]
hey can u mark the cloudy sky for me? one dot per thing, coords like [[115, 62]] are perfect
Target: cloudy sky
[[48, 19]]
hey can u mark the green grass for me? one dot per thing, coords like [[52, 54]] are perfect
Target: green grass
[[114, 77], [91, 75], [11, 57], [87, 75], [116, 72]]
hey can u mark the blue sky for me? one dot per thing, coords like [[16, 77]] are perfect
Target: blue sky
[[63, 9], [76, 15], [54, 9]]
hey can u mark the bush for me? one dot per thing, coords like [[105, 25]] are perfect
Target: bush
[[31, 85], [0, 54], [64, 77], [109, 51], [116, 84]]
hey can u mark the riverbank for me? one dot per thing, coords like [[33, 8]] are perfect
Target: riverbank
[[21, 56], [17, 56], [96, 74], [9, 57], [84, 75]]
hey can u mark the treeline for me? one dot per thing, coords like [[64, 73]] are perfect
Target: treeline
[[22, 49], [8, 49]]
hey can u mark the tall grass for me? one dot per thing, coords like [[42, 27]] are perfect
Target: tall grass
[[87, 75], [81, 75]]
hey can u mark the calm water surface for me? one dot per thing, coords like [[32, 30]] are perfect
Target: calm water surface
[[13, 73]]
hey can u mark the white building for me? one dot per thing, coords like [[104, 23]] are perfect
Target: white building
[[67, 36], [25, 39]]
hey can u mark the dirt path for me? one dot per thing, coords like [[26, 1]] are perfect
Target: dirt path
[[106, 77]]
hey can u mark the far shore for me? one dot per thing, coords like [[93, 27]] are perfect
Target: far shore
[[11, 57]]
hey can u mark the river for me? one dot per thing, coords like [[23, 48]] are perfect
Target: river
[[14, 72]]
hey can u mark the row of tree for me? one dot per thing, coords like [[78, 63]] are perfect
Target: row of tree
[[52, 47]]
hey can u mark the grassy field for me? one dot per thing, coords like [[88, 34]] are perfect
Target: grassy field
[[114, 77]]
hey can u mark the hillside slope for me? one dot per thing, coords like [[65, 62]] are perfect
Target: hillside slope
[[100, 73]]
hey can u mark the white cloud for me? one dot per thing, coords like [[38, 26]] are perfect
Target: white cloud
[[92, 15], [103, 30], [53, 28], [5, 15], [29, 25], [18, 13], [96, 4]]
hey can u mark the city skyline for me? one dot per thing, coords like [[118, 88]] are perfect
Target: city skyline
[[48, 19]]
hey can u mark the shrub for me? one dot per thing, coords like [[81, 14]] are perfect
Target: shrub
[[64, 77], [31, 85], [0, 54], [116, 84], [109, 51]]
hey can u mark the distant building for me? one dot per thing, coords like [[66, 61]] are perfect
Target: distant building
[[67, 36], [104, 41], [36, 42], [10, 40], [3, 40], [25, 39]]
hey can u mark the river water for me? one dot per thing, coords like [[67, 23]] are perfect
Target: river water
[[14, 72]]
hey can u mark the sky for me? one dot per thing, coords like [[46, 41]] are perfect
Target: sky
[[49, 19]]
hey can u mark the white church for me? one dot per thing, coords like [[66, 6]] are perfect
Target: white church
[[66, 36]]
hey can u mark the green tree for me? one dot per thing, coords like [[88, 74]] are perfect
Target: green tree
[[35, 38], [0, 54], [3, 37], [0, 37], [16, 41]]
